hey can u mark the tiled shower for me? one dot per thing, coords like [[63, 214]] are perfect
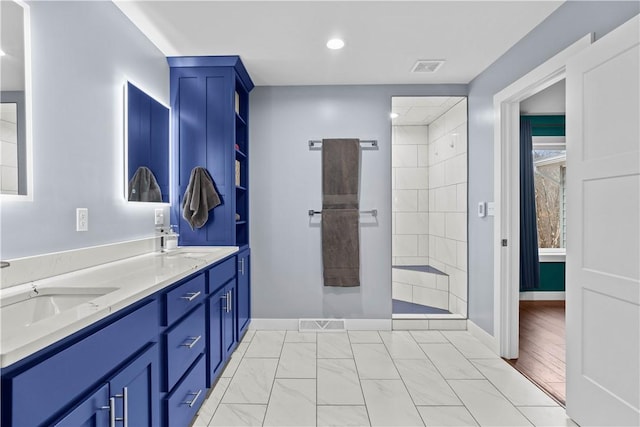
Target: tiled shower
[[429, 172]]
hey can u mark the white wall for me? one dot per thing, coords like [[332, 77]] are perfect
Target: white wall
[[285, 182], [570, 22], [448, 201], [82, 54], [410, 193]]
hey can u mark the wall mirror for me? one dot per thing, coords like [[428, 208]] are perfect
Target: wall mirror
[[15, 101], [146, 147]]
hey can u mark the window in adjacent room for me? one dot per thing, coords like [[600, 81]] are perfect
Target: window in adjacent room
[[550, 166]]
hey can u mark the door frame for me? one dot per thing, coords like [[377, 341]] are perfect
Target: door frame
[[506, 264]]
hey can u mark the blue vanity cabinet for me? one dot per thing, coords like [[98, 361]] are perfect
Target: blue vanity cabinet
[[221, 317], [60, 379], [209, 101], [130, 397], [243, 292]]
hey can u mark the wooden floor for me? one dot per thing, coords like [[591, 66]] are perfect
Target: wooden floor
[[542, 346]]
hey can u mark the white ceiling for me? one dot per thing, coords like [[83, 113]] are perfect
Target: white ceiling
[[283, 42]]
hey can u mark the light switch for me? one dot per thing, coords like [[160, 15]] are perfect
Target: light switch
[[482, 209]]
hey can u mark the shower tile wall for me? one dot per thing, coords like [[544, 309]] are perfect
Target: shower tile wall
[[447, 166], [410, 174]]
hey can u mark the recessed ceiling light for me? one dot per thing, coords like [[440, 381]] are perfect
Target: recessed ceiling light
[[335, 44], [393, 115]]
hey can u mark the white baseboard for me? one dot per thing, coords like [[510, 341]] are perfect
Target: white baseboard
[[483, 336], [292, 324], [542, 296], [368, 324]]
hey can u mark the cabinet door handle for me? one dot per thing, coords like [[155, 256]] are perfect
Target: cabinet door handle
[[191, 296], [193, 342], [192, 402], [112, 415], [112, 411], [242, 266], [230, 300], [125, 407], [225, 297]]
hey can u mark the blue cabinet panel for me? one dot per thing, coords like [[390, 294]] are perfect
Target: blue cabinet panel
[[55, 382], [136, 387], [184, 342], [184, 298], [216, 305], [243, 299], [93, 412], [184, 401]]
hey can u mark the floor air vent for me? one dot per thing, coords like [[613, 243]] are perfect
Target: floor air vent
[[321, 325]]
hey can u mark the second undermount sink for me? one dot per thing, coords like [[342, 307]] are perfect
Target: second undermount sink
[[33, 306]]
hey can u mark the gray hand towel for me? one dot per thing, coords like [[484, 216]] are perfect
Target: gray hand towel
[[200, 198], [340, 212], [143, 187]]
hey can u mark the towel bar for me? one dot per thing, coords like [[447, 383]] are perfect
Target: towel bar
[[373, 142], [373, 212]]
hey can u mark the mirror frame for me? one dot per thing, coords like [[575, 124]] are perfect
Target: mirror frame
[[165, 195], [28, 142]]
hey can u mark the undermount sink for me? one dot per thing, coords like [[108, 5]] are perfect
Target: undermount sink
[[35, 305]]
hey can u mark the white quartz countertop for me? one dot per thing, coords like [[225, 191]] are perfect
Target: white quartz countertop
[[128, 281]]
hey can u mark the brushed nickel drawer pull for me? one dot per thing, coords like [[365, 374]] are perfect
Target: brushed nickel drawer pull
[[192, 402], [193, 342], [191, 296]]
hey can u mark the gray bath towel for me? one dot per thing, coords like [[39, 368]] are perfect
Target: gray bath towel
[[200, 197], [143, 187], [340, 173], [340, 212]]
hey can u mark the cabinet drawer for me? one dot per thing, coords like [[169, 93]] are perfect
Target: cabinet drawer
[[184, 298], [222, 273], [184, 343], [183, 403]]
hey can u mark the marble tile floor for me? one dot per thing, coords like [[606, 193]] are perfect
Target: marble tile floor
[[373, 378]]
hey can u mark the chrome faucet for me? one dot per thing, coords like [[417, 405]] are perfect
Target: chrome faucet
[[4, 264]]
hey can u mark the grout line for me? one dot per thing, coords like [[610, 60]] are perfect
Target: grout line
[[364, 399]]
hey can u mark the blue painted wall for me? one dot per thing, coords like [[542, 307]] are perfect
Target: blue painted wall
[[569, 23]]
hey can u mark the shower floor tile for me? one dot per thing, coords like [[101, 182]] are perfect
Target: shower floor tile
[[404, 307]]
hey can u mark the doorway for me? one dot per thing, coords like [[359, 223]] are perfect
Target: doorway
[[541, 343], [429, 207]]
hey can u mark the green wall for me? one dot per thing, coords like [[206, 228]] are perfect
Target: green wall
[[551, 277]]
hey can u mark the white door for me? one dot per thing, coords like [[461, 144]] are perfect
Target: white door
[[603, 231]]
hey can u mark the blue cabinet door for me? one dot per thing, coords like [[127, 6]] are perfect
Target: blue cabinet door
[[135, 390], [92, 412], [229, 321], [202, 100], [217, 306], [243, 291]]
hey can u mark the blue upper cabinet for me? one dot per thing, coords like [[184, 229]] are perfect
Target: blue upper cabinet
[[210, 105]]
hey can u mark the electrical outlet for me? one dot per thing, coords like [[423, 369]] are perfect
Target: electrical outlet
[[82, 219], [159, 217]]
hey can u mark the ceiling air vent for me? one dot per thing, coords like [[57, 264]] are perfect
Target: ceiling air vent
[[427, 66]]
